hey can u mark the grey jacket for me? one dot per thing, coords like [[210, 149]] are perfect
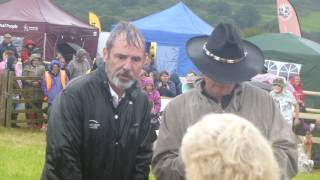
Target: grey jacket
[[248, 101], [78, 68]]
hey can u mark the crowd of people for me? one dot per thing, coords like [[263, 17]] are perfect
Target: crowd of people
[[102, 126], [53, 75]]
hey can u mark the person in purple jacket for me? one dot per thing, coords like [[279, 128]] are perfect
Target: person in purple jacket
[[54, 81]]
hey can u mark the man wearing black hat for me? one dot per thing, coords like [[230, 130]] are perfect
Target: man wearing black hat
[[226, 62]]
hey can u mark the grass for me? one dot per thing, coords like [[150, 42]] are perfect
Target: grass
[[22, 155]]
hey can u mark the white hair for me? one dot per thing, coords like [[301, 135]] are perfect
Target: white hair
[[227, 147]]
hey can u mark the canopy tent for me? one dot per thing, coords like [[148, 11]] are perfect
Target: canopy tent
[[47, 25], [171, 29], [293, 49]]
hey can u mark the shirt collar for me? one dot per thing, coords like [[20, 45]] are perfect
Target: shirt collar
[[115, 98]]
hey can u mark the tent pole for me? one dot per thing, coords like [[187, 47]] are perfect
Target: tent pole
[[44, 46]]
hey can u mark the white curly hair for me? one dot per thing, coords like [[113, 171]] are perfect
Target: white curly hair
[[227, 147]]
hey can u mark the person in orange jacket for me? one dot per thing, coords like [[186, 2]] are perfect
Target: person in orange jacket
[[54, 81]]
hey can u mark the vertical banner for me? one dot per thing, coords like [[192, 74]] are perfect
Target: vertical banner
[[287, 18], [94, 20]]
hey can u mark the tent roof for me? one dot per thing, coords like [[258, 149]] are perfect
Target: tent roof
[[177, 19], [286, 43], [38, 11]]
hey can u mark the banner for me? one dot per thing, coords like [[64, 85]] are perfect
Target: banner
[[287, 18], [94, 20]]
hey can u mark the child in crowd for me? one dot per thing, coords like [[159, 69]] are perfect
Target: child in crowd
[[153, 94]]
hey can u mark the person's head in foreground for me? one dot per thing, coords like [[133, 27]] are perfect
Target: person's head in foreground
[[124, 56], [227, 147]]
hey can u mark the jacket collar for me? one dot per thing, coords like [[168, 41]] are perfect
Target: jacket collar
[[231, 100]]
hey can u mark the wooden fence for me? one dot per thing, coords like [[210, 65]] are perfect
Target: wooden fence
[[12, 95], [311, 114], [3, 98]]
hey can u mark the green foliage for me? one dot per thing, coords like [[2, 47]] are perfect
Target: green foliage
[[259, 14], [247, 16], [213, 11]]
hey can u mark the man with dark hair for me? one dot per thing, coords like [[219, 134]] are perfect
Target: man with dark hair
[[99, 126], [226, 62], [7, 45]]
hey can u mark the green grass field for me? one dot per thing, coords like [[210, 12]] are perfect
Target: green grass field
[[22, 155]]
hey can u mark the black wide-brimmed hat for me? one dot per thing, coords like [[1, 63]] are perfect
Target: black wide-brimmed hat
[[224, 56]]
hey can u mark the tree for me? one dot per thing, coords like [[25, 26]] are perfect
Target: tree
[[220, 8], [247, 16]]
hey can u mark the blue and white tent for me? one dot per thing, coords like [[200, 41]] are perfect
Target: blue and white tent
[[171, 29]]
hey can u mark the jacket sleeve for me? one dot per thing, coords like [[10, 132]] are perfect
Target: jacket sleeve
[[283, 145], [144, 153], [167, 162], [63, 159]]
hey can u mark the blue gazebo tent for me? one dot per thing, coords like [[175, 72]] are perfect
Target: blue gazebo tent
[[171, 29]]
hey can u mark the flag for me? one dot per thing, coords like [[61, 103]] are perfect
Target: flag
[[94, 20], [287, 18]]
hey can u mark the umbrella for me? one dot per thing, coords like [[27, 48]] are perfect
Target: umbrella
[[74, 46], [293, 49], [68, 49]]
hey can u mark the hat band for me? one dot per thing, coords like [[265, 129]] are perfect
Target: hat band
[[220, 59]]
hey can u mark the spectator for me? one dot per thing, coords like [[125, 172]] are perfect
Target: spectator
[[176, 80], [11, 63], [224, 147], [27, 51], [165, 86], [155, 75], [190, 81], [10, 66], [6, 54], [63, 65], [315, 150], [153, 94], [149, 66], [34, 69], [55, 80], [285, 101], [7, 45], [298, 93], [80, 64]]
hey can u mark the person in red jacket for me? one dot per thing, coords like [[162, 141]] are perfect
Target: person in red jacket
[[27, 50], [298, 93]]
